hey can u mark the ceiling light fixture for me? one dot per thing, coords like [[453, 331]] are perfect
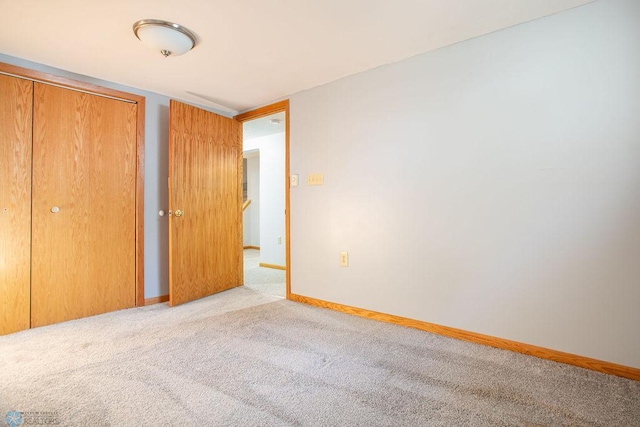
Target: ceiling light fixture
[[163, 36]]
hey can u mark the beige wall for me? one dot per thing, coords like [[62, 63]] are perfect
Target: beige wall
[[492, 186]]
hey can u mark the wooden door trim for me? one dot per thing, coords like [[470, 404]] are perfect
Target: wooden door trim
[[42, 77], [256, 114]]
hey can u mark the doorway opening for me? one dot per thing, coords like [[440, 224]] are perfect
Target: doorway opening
[[265, 196]]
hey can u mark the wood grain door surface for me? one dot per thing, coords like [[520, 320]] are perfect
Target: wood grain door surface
[[205, 197], [84, 180], [16, 97]]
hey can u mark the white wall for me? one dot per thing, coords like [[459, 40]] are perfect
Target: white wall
[[156, 196], [492, 186], [272, 182], [251, 215]]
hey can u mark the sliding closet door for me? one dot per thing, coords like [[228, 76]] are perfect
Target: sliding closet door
[[15, 202], [205, 196], [84, 180]]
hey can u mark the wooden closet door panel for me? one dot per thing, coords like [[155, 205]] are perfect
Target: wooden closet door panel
[[84, 172], [16, 98], [205, 182]]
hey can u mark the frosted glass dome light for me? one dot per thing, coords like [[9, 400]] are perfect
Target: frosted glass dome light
[[164, 37]]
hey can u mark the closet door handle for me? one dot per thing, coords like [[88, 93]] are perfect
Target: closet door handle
[[55, 209]]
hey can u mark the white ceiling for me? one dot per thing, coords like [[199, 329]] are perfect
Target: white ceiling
[[250, 52]]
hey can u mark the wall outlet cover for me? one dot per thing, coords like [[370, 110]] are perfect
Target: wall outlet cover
[[344, 259]]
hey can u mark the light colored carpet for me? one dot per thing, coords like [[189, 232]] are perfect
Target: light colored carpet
[[244, 358], [268, 280]]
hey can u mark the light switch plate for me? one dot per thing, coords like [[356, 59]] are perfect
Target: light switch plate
[[294, 180], [315, 179]]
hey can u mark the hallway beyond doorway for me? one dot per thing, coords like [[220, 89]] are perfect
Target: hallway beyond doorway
[[267, 280]]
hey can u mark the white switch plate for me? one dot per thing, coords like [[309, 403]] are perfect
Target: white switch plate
[[294, 180], [315, 179], [344, 259]]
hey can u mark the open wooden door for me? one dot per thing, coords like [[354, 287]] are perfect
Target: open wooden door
[[205, 203]]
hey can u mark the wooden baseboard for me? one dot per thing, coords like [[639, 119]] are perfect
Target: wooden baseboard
[[156, 300], [505, 344], [252, 247], [277, 267]]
